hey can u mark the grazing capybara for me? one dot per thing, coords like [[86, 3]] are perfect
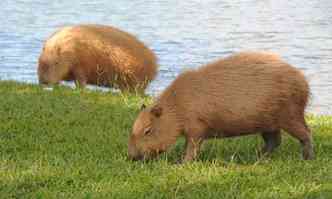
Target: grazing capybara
[[99, 55], [246, 93]]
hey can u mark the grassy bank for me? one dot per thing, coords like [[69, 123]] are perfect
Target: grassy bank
[[70, 144]]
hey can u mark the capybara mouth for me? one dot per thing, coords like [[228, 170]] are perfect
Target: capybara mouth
[[42, 82], [154, 154], [136, 157], [146, 157]]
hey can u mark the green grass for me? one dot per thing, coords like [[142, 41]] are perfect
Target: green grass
[[73, 144]]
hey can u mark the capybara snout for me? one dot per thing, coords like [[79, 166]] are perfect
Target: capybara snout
[[147, 129], [246, 93], [42, 72], [133, 153]]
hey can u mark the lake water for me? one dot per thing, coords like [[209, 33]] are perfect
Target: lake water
[[184, 34]]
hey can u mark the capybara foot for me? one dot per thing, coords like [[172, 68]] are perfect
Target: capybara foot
[[272, 140], [308, 152]]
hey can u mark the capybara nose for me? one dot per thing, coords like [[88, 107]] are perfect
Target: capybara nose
[[42, 81], [136, 157]]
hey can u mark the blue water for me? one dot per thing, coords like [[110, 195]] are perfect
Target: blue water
[[184, 34]]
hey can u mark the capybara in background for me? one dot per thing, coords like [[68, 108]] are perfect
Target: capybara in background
[[246, 93], [99, 55]]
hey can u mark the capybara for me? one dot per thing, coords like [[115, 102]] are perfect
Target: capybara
[[97, 54], [246, 93]]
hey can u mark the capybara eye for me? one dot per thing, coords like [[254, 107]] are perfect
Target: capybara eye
[[45, 67], [147, 131]]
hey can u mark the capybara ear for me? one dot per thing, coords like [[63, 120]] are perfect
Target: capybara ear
[[156, 110], [143, 106], [58, 50]]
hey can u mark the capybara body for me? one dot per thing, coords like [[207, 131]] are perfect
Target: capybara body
[[99, 55], [246, 93]]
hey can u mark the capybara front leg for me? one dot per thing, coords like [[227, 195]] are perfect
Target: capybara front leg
[[192, 148], [272, 140], [80, 81], [80, 84]]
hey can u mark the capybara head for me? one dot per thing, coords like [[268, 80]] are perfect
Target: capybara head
[[151, 133], [51, 67]]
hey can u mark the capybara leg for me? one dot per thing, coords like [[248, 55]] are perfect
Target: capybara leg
[[194, 132], [299, 130], [136, 90], [80, 80], [80, 84], [192, 148], [272, 140]]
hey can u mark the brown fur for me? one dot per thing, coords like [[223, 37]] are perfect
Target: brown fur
[[99, 55], [243, 94]]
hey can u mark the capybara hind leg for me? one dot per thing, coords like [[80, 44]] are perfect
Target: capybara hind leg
[[299, 130], [192, 148], [272, 139]]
